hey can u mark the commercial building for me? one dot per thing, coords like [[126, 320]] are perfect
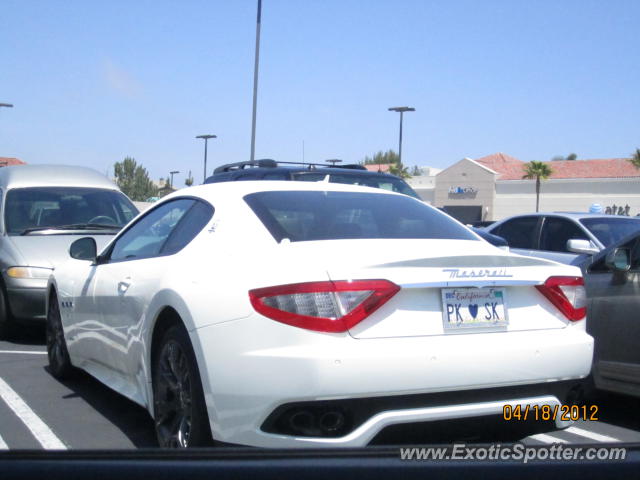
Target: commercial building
[[492, 187]]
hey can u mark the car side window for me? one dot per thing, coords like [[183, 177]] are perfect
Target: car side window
[[188, 227], [276, 176], [347, 179], [555, 233], [309, 177], [246, 176], [148, 235], [518, 232]]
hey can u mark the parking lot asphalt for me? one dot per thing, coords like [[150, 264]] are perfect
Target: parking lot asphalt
[[39, 412]]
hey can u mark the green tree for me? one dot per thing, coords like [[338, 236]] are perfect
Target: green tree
[[399, 170], [382, 158], [133, 180], [559, 158], [189, 180], [539, 171], [388, 158], [416, 171], [635, 158]]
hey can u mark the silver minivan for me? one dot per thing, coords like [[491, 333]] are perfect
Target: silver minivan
[[43, 209]]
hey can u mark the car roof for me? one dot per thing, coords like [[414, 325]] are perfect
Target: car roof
[[21, 176], [573, 215], [214, 191], [302, 169]]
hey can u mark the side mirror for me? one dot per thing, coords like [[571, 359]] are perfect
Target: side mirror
[[84, 249], [576, 245], [618, 259]]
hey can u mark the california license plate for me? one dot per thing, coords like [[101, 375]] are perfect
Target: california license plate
[[464, 308]]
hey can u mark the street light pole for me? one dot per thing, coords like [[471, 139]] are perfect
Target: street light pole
[[206, 139], [172, 174], [401, 110], [255, 82]]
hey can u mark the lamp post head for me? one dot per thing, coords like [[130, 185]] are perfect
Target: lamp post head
[[8, 105], [402, 109], [206, 137]]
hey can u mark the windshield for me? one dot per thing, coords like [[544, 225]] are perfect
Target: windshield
[[57, 207], [611, 229], [307, 216], [384, 182]]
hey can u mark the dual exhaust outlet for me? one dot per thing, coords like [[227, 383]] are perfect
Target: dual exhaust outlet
[[307, 422]]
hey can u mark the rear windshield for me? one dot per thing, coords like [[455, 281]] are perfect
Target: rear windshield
[[610, 230], [376, 181], [55, 207], [306, 216]]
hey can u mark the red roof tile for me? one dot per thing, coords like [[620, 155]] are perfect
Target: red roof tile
[[378, 167], [9, 162], [510, 168]]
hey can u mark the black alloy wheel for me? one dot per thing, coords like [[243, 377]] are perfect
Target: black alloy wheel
[[180, 414], [59, 362]]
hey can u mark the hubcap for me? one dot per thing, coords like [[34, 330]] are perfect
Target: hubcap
[[173, 403]]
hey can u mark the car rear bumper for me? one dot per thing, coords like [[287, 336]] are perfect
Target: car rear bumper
[[250, 368], [366, 432]]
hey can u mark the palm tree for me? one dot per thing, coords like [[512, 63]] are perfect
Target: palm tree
[[537, 170], [399, 170], [635, 158]]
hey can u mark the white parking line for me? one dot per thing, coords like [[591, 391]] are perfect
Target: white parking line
[[3, 444], [25, 352], [592, 435], [33, 422], [544, 438]]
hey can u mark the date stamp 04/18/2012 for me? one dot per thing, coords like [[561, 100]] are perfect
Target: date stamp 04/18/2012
[[563, 413]]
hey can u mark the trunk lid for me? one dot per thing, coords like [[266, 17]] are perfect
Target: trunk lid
[[423, 268]]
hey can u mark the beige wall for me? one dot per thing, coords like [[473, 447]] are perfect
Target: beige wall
[[514, 197], [426, 194], [466, 173], [424, 185]]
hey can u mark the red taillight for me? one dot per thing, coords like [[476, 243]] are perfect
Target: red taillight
[[567, 294], [323, 306]]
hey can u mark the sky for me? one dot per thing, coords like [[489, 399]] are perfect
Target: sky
[[95, 81]]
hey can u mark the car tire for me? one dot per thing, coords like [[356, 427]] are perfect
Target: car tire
[[59, 361], [180, 413], [6, 327]]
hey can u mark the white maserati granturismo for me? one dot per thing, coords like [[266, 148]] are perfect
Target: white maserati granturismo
[[296, 314]]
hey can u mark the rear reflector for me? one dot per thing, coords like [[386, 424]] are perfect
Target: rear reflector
[[323, 306], [567, 294]]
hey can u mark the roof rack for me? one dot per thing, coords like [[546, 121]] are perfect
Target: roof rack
[[350, 166], [270, 163], [263, 163]]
